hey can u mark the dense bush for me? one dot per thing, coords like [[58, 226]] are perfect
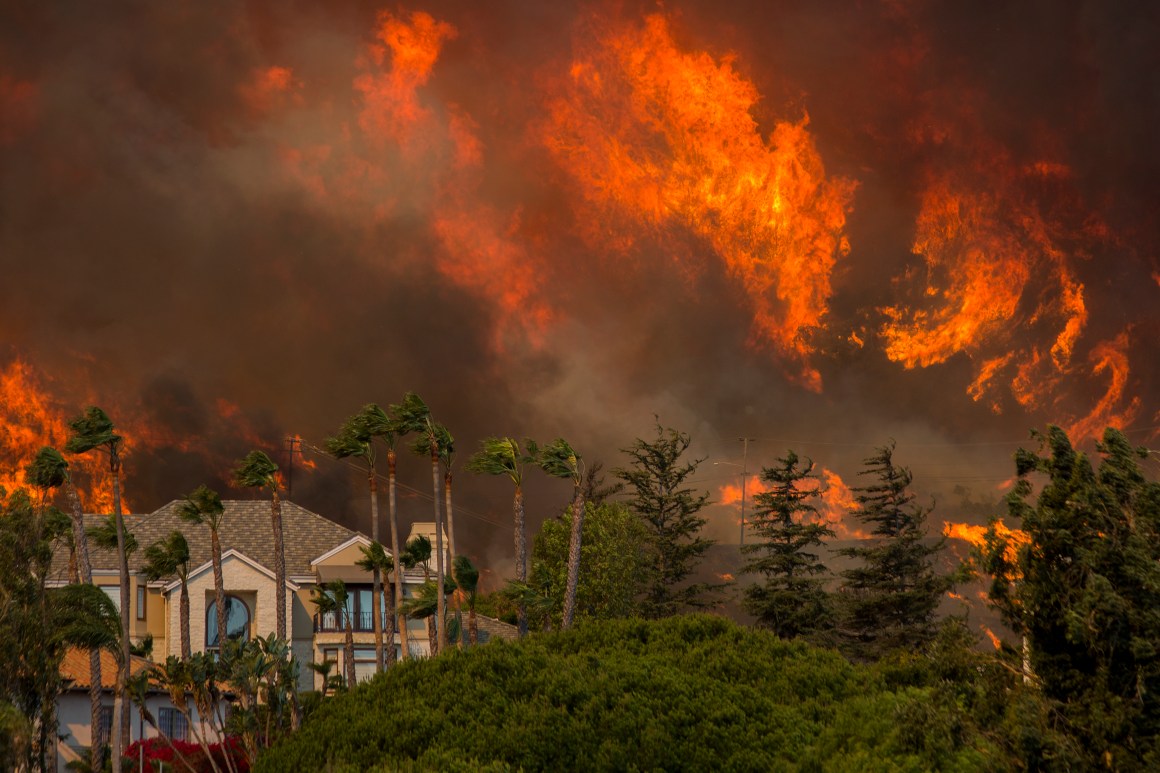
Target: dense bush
[[687, 693]]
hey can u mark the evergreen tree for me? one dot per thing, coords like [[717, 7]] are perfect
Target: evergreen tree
[[792, 599], [891, 597], [1084, 589], [669, 510]]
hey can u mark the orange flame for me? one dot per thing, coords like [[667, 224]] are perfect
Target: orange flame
[[410, 46], [1108, 357], [834, 506], [660, 137], [995, 641], [975, 535], [30, 419]]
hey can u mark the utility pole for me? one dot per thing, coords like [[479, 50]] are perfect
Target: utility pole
[[292, 446], [744, 474]]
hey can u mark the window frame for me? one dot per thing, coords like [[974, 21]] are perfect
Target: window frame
[[142, 596], [211, 615]]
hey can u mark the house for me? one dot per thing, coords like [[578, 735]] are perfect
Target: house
[[74, 710], [317, 550]]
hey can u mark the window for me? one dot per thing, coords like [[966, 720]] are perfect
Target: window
[[237, 622], [140, 602], [359, 605], [364, 662], [172, 724], [105, 725], [113, 592]]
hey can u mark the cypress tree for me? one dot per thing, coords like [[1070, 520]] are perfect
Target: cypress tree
[[791, 600]]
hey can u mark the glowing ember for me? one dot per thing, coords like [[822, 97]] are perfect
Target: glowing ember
[[655, 136]]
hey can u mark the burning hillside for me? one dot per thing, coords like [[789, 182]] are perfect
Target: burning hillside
[[840, 222]]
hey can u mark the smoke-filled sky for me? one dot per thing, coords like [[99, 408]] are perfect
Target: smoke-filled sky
[[816, 224]]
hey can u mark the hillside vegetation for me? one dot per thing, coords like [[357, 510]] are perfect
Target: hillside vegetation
[[685, 693]]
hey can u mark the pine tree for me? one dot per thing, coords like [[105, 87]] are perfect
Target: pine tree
[[670, 512], [792, 599], [891, 597]]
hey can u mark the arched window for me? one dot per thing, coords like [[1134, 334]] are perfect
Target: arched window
[[237, 622]]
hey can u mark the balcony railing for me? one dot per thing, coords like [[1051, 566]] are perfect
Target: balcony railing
[[329, 622]]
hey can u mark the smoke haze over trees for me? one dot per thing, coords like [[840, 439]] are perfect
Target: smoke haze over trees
[[230, 223]]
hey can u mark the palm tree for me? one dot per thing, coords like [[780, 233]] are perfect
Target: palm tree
[[391, 438], [356, 439], [376, 560], [502, 456], [559, 460], [93, 430], [203, 506], [424, 605], [165, 558], [47, 467], [259, 471], [332, 598], [418, 553], [467, 578], [413, 415]]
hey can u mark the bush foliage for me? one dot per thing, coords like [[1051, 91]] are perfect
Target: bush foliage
[[686, 693]]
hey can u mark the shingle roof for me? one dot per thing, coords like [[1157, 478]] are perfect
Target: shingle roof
[[490, 628], [76, 668], [245, 528]]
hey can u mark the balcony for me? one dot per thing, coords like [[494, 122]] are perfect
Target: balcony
[[331, 623]]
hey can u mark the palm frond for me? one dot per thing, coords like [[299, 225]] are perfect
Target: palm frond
[[375, 557], [104, 535], [411, 415], [47, 470], [560, 460], [256, 470], [202, 506], [91, 429]]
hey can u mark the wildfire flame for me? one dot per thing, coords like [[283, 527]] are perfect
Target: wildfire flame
[[998, 242], [31, 419], [656, 137], [834, 505], [1014, 539]]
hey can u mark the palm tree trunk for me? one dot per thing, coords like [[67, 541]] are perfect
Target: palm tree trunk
[[121, 718], [404, 639], [219, 587], [377, 578], [521, 558], [472, 625], [186, 651], [348, 648], [387, 608], [440, 600], [279, 567], [450, 523], [574, 558], [85, 574]]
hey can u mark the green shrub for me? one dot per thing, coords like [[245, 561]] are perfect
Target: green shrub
[[686, 693]]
